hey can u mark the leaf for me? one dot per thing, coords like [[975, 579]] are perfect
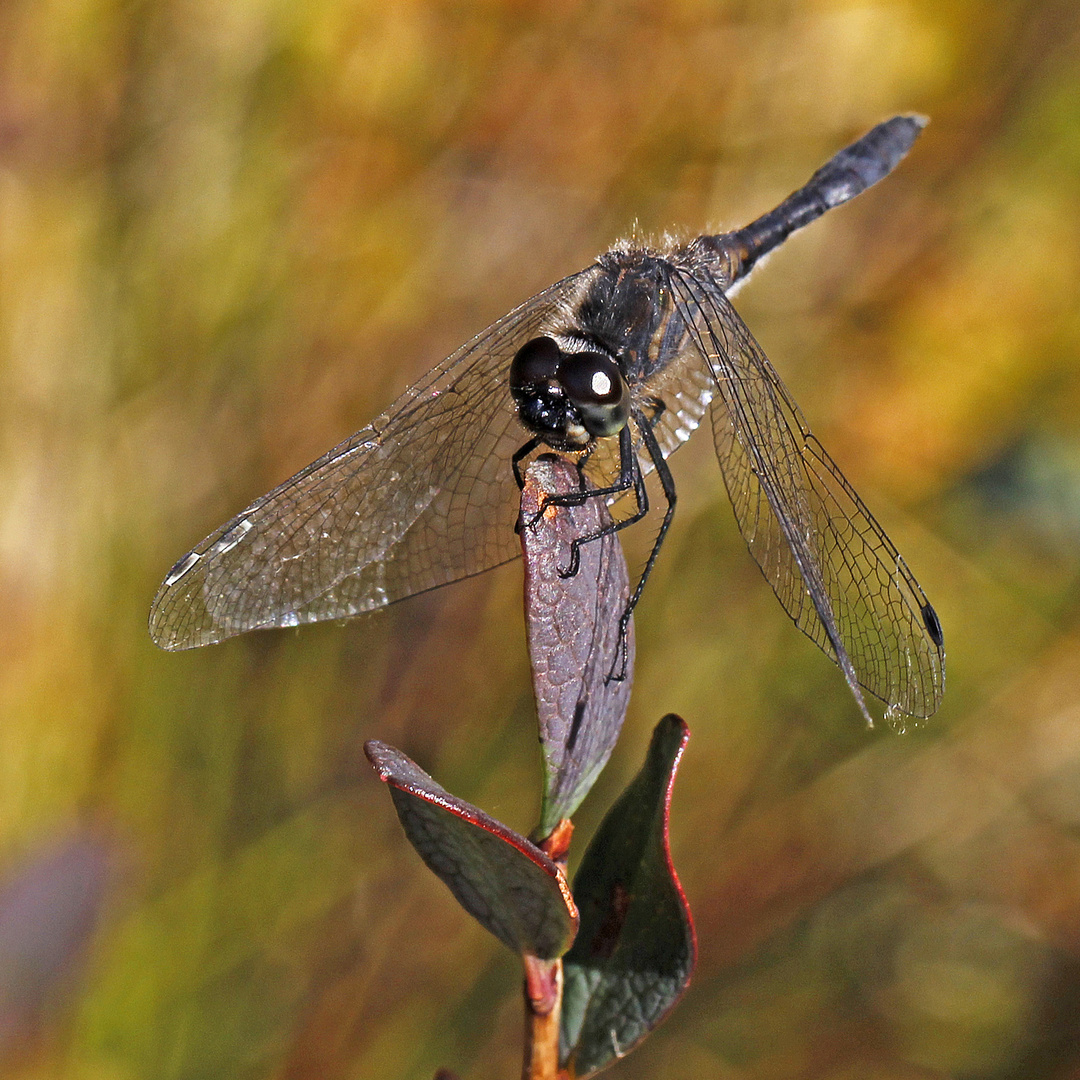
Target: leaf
[[635, 949], [572, 624], [498, 876]]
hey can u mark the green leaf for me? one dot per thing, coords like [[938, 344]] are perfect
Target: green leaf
[[573, 628], [498, 876], [635, 949]]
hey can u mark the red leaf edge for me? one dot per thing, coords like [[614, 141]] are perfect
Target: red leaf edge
[[384, 758]]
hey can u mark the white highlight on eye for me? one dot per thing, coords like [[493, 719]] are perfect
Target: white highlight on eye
[[601, 384], [182, 567]]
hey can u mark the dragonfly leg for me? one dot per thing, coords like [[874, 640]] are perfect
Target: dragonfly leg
[[515, 463], [667, 484], [519, 455], [629, 478]]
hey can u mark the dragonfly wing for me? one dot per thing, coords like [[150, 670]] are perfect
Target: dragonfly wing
[[423, 497], [830, 564]]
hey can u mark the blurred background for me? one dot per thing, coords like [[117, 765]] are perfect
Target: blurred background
[[231, 232]]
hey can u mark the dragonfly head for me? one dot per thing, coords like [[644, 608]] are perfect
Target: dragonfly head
[[568, 398]]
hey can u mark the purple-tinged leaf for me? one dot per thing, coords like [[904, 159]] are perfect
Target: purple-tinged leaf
[[498, 876], [572, 624], [636, 948]]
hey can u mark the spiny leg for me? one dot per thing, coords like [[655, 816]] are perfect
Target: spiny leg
[[515, 462], [629, 477], [667, 484], [569, 499], [519, 455]]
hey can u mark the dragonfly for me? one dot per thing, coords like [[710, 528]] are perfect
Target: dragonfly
[[614, 366]]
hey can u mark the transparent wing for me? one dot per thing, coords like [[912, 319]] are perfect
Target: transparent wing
[[832, 567], [422, 497]]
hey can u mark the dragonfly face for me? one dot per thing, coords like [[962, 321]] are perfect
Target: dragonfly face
[[568, 398], [617, 364]]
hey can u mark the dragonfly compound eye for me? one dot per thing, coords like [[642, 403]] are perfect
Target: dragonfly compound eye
[[536, 362], [542, 404], [595, 385]]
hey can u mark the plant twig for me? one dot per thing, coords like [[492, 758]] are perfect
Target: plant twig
[[543, 1004]]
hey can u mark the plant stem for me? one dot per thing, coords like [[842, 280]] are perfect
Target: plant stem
[[543, 1004]]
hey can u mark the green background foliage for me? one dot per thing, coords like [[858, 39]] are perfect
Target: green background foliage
[[232, 231]]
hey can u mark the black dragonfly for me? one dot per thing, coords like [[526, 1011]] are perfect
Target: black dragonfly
[[616, 366]]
